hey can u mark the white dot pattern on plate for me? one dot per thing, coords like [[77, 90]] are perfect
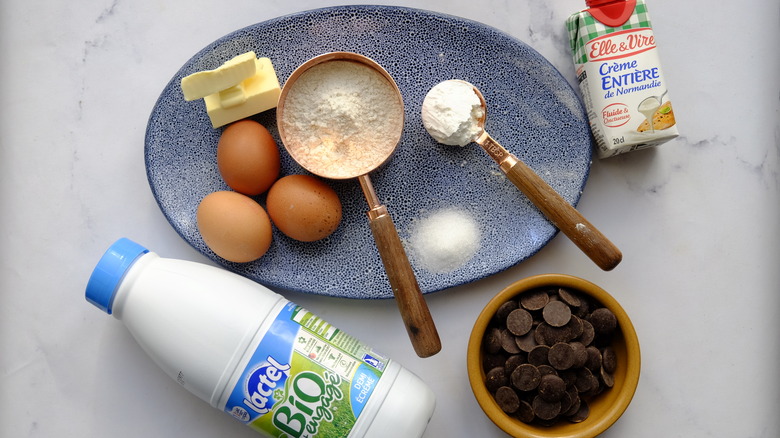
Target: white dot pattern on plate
[[532, 111]]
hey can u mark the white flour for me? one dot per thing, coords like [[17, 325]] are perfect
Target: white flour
[[445, 240], [451, 112], [346, 116]]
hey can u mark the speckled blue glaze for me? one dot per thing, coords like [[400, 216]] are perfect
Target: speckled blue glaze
[[532, 111]]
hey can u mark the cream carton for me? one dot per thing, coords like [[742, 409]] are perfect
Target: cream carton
[[620, 77]]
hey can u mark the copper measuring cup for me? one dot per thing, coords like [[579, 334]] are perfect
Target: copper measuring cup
[[356, 163]]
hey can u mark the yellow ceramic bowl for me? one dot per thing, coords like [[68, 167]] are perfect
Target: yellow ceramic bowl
[[605, 408]]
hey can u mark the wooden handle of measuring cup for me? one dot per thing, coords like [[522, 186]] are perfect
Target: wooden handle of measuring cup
[[414, 310], [565, 217]]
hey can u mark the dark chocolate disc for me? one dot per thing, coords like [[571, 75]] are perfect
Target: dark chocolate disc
[[495, 379], [514, 361], [527, 342], [569, 297], [557, 313], [508, 342], [603, 320], [534, 300], [539, 355], [561, 356], [525, 377], [519, 322], [525, 412], [551, 388], [546, 410], [609, 359], [507, 399]]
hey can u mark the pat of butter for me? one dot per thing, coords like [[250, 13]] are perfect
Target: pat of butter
[[239, 88]]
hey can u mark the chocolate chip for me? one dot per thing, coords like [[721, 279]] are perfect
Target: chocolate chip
[[538, 356], [493, 340], [581, 414], [519, 322], [575, 327], [561, 356], [535, 300], [527, 342], [546, 369], [546, 410], [507, 399], [594, 359], [504, 310], [569, 376], [495, 379], [569, 297], [508, 342], [540, 333], [575, 401], [597, 389], [609, 359], [548, 335], [525, 377], [551, 388], [586, 381], [525, 412], [580, 354], [566, 402], [583, 310], [588, 333], [557, 313], [607, 378], [513, 362], [490, 361], [603, 320]]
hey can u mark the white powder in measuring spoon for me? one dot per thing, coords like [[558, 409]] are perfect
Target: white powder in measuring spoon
[[346, 116], [445, 240], [451, 112]]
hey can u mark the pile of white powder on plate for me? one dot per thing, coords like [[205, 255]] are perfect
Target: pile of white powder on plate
[[451, 112], [346, 115], [445, 240]]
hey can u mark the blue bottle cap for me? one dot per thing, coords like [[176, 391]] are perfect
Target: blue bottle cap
[[110, 271]]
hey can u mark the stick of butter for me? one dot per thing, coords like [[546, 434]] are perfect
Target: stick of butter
[[241, 87]]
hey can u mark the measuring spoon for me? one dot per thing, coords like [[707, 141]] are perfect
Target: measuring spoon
[[565, 217], [334, 156]]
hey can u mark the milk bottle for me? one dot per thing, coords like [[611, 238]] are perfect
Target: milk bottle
[[248, 351]]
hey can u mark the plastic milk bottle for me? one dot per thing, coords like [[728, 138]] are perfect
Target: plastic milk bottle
[[619, 72], [246, 350]]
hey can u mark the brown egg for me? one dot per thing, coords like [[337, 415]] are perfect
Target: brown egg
[[234, 226], [304, 207], [247, 157]]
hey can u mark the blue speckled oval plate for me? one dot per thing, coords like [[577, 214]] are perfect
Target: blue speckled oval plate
[[532, 111]]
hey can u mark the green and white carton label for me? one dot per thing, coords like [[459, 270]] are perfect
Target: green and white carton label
[[305, 379], [621, 81]]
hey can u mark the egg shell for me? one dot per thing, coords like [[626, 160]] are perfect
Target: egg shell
[[304, 207], [234, 226], [248, 157]]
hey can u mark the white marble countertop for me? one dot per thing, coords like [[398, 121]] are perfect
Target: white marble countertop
[[697, 220]]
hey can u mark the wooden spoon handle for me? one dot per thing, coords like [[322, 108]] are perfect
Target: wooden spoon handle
[[589, 239], [565, 217], [414, 310]]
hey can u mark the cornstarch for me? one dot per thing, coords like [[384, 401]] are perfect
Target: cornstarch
[[451, 112]]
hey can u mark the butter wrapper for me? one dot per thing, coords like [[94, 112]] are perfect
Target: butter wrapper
[[620, 79]]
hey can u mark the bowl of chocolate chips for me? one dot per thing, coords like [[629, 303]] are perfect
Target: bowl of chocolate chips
[[553, 355]]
